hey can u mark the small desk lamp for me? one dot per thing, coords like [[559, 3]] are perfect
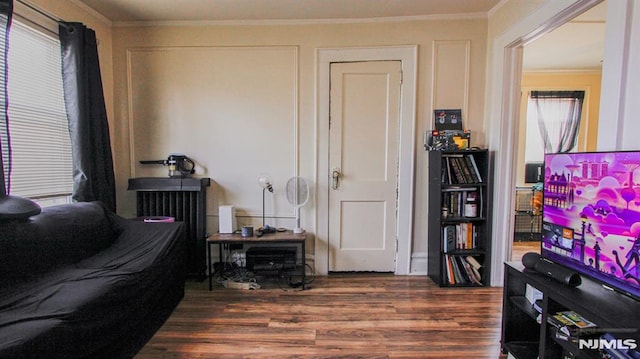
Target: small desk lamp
[[265, 183]]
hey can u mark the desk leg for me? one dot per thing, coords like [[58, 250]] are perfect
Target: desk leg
[[209, 266], [304, 265]]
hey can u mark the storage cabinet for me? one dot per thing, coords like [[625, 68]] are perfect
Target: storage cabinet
[[459, 236], [526, 332]]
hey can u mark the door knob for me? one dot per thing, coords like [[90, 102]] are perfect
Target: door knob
[[335, 176]]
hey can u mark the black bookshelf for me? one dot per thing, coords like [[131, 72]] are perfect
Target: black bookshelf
[[526, 332], [456, 233]]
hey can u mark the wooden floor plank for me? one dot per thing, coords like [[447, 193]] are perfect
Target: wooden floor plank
[[339, 316]]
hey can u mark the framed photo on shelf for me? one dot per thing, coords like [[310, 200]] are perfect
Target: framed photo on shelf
[[448, 119]]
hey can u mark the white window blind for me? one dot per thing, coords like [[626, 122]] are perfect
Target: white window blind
[[40, 141]]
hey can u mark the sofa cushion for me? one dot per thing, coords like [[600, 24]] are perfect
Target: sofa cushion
[[104, 306], [59, 236]]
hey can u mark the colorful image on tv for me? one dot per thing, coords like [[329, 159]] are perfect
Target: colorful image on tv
[[591, 217]]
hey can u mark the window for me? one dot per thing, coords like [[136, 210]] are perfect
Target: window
[[40, 141], [553, 120]]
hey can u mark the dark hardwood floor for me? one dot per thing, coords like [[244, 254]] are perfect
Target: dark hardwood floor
[[520, 248], [338, 316]]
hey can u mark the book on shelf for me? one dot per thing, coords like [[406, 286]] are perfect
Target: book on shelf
[[456, 270], [473, 169], [466, 236], [474, 276], [449, 238], [450, 277], [474, 165], [460, 236], [466, 171], [570, 324], [455, 198], [474, 263], [460, 168], [457, 170], [532, 293], [461, 271], [537, 306]]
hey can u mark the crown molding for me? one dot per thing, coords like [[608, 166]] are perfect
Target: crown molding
[[91, 11], [169, 23]]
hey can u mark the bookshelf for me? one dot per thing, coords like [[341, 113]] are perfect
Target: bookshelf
[[458, 233], [529, 333]]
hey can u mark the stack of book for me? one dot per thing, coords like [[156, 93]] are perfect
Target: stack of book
[[571, 326], [460, 169], [455, 197], [462, 270], [460, 236]]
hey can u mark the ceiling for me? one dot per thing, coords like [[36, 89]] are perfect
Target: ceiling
[[260, 10], [577, 45]]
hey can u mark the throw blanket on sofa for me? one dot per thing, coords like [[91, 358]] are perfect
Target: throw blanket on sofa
[[78, 281]]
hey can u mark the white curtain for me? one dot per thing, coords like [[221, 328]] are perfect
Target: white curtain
[[559, 115]]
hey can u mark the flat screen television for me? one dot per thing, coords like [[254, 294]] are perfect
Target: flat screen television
[[591, 216]]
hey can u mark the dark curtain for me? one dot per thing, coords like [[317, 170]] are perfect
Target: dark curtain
[[559, 115], [6, 12], [93, 174]]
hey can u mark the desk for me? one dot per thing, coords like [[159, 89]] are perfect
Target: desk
[[287, 237]]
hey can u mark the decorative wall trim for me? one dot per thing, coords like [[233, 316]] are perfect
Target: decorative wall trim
[[419, 263], [283, 135], [276, 22], [450, 87]]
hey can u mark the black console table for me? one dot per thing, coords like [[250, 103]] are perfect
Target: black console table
[[184, 199], [523, 337]]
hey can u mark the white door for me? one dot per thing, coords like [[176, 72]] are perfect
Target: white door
[[363, 155]]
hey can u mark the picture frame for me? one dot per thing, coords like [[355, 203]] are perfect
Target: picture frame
[[448, 119]]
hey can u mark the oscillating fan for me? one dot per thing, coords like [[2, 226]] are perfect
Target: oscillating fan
[[298, 195]]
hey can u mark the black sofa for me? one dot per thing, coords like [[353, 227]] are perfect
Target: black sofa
[[78, 281]]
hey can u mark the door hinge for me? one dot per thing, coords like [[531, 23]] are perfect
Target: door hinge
[[401, 77]]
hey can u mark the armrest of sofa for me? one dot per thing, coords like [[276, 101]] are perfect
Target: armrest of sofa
[[59, 236]]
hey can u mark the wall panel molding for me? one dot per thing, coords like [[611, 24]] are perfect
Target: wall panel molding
[[450, 73], [233, 110]]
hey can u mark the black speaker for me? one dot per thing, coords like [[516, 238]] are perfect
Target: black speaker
[[563, 275]]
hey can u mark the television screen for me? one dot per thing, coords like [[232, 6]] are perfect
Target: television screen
[[591, 216]]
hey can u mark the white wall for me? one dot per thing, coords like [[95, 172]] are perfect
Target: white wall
[[620, 109], [242, 100], [231, 109]]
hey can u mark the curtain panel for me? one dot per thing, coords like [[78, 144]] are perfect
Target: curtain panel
[[93, 174], [559, 115], [6, 13]]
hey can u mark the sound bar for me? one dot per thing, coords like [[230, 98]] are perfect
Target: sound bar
[[563, 275]]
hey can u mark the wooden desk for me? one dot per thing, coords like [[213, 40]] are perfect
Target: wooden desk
[[287, 237]]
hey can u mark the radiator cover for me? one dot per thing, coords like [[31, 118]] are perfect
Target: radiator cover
[[184, 199]]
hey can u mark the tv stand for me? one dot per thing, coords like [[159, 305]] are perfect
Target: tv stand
[[524, 338]]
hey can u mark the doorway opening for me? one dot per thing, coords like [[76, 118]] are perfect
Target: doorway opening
[[548, 67], [504, 107]]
